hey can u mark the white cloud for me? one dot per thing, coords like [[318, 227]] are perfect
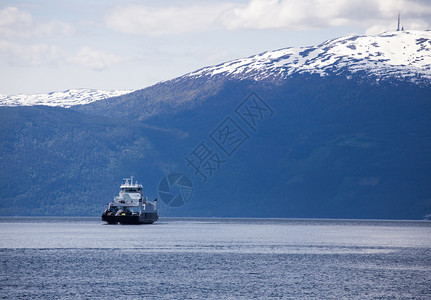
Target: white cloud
[[17, 23], [216, 56], [139, 19], [33, 54], [268, 14], [18, 54], [95, 59], [312, 14]]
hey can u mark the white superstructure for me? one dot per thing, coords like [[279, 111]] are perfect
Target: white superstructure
[[130, 206]]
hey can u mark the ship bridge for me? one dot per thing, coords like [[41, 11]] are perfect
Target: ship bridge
[[130, 186]]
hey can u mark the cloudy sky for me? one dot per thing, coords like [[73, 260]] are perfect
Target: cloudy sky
[[51, 45]]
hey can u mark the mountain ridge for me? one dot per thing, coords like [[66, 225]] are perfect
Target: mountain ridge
[[350, 55], [279, 66]]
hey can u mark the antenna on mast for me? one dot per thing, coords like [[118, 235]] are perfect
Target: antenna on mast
[[398, 29]]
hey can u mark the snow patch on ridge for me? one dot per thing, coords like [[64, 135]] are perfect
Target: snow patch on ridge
[[66, 98], [401, 54]]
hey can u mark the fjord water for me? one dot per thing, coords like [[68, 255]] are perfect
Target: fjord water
[[81, 258]]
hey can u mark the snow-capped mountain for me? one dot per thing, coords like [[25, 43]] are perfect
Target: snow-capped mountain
[[336, 146], [400, 54], [66, 98]]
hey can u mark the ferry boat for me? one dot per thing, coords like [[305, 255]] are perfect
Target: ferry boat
[[130, 206]]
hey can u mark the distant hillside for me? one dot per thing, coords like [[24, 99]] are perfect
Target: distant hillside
[[57, 161]]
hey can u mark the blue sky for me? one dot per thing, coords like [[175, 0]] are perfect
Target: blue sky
[[49, 45]]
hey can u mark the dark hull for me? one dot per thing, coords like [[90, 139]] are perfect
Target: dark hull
[[144, 218]]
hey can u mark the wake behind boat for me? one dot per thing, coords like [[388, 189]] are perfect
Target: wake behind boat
[[130, 207]]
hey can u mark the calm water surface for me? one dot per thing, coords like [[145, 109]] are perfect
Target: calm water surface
[[81, 258]]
